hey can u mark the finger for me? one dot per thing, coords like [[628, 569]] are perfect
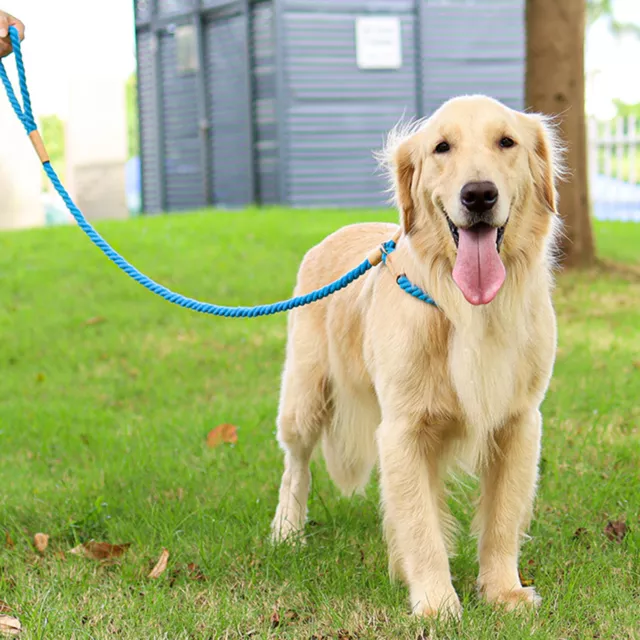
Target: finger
[[4, 26], [19, 25], [5, 47]]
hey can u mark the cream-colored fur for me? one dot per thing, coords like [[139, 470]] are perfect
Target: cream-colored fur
[[380, 376]]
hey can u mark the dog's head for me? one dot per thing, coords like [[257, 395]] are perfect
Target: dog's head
[[475, 186]]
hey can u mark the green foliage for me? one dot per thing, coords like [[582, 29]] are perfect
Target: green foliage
[[108, 393], [597, 9], [132, 116], [625, 110]]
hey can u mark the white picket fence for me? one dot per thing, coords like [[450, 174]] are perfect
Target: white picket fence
[[614, 168]]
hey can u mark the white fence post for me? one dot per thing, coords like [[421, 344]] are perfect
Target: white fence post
[[614, 171], [592, 144], [607, 147], [620, 149], [634, 150]]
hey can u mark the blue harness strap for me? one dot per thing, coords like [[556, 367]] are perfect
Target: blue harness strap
[[24, 113]]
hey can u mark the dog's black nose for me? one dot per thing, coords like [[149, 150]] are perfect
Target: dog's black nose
[[479, 197]]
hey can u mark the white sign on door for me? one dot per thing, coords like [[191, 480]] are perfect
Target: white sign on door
[[378, 42]]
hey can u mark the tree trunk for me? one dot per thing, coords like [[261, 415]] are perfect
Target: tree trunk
[[555, 86]]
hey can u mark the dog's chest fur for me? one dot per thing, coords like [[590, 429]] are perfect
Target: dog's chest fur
[[484, 367], [496, 365]]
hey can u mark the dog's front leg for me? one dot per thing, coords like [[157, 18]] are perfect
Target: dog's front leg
[[508, 486], [411, 489]]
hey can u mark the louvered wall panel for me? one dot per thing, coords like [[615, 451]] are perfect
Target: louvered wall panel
[[229, 112], [473, 47], [183, 159], [359, 7], [170, 7], [151, 185], [338, 114], [264, 80], [215, 4], [334, 115], [142, 10]]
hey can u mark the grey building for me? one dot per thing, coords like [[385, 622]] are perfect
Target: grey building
[[284, 101]]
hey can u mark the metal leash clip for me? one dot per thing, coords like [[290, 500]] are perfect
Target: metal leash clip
[[381, 253]]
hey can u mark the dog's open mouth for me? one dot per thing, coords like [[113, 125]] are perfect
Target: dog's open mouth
[[456, 234], [478, 271]]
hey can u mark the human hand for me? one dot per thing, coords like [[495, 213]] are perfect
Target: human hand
[[7, 21]]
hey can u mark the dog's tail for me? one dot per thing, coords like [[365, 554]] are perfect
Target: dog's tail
[[348, 443]]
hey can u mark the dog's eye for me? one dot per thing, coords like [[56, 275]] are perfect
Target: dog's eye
[[442, 147], [507, 142]]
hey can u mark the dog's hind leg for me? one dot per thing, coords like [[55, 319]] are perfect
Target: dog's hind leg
[[304, 412]]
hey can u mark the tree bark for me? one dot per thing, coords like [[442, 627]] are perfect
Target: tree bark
[[555, 86]]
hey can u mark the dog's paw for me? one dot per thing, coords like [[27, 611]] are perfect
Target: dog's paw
[[283, 531], [445, 606], [520, 597]]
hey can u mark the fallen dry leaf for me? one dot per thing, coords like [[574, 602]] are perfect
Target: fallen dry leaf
[[221, 434], [100, 550], [636, 364], [615, 531], [161, 565], [8, 540], [41, 542], [4, 607], [275, 619], [525, 582], [93, 321], [10, 626], [195, 573]]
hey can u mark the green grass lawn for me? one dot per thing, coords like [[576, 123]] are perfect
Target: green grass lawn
[[107, 394]]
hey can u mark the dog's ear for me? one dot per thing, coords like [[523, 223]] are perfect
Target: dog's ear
[[404, 170], [546, 161]]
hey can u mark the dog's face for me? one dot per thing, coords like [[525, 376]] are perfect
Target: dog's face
[[475, 185]]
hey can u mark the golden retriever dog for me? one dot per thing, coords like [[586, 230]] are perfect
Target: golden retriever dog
[[380, 376]]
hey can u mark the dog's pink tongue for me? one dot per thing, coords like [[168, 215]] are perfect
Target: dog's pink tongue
[[478, 272]]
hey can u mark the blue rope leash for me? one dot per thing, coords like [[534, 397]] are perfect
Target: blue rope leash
[[414, 290], [403, 282], [24, 113]]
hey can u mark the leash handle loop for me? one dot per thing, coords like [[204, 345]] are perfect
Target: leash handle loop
[[23, 111]]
